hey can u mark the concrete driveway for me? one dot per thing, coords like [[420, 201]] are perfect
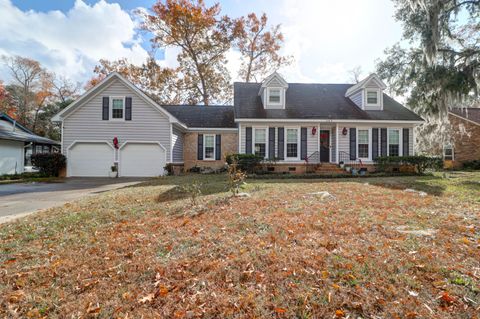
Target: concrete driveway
[[17, 200]]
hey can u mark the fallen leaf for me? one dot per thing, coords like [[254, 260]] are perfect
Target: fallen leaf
[[147, 298]]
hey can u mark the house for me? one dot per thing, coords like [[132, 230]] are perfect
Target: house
[[290, 124], [17, 144], [465, 145]]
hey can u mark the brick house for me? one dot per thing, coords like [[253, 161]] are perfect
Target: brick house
[[465, 145]]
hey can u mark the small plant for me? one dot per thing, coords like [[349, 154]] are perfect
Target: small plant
[[194, 190], [169, 169], [113, 168], [236, 178]]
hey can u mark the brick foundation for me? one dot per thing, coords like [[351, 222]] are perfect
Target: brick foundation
[[229, 146]]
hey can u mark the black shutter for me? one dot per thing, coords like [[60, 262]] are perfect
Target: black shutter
[[248, 140], [105, 108], [200, 147], [374, 143], [218, 147], [383, 141], [353, 143], [303, 143], [281, 146], [128, 109], [271, 143], [406, 142]]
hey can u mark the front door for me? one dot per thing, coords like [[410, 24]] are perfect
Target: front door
[[324, 146]]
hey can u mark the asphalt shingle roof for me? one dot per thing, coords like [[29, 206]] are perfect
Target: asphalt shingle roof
[[473, 114], [203, 116], [20, 133], [314, 101]]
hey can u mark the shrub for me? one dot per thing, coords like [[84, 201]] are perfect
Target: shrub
[[245, 162], [193, 190], [49, 164], [473, 165], [421, 163], [236, 178], [169, 169]]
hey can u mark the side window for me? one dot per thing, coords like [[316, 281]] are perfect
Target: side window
[[209, 147], [118, 108], [448, 152], [260, 137]]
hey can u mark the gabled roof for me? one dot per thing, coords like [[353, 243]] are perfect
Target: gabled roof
[[90, 93], [315, 101], [364, 83], [200, 116], [274, 76], [469, 113], [12, 130]]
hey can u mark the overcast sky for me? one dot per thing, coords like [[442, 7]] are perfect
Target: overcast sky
[[326, 38]]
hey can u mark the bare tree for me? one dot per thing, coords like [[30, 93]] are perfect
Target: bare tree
[[355, 74]]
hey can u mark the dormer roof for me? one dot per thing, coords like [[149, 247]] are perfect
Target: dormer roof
[[371, 80], [273, 80]]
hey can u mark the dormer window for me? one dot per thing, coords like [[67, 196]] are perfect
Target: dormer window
[[274, 96], [372, 97]]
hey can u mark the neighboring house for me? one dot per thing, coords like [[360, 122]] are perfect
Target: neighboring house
[[465, 144], [290, 124], [17, 144]]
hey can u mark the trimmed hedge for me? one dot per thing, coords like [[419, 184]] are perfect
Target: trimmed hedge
[[245, 162], [49, 164], [473, 165], [420, 162]]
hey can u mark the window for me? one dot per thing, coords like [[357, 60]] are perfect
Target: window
[[260, 142], [117, 108], [209, 147], [292, 142], [448, 153], [372, 97], [363, 141], [274, 96], [393, 142]]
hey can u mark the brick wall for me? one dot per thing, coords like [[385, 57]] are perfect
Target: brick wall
[[229, 146], [466, 148]]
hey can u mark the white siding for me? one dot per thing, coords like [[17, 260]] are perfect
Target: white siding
[[177, 145], [147, 124], [11, 157]]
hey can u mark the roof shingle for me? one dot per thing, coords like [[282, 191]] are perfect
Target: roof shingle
[[203, 116], [470, 113]]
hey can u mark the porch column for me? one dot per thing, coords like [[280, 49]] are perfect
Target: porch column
[[336, 143]]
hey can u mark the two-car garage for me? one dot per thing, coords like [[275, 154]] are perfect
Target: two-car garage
[[135, 159]]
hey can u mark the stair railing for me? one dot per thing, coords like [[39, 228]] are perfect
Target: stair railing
[[348, 161]]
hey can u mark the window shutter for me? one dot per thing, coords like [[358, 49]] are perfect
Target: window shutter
[[128, 108], [406, 142], [218, 147], [248, 140], [374, 143], [200, 147], [271, 143], [281, 145], [353, 143], [105, 108], [303, 143], [383, 141]]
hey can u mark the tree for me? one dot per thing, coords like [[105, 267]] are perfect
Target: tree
[[27, 75], [6, 103], [439, 68], [355, 74], [203, 37], [259, 47], [159, 82]]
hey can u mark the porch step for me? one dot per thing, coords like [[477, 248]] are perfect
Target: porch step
[[328, 169]]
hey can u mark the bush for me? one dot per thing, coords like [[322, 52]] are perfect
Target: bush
[[245, 162], [236, 178], [49, 164], [473, 165], [420, 163]]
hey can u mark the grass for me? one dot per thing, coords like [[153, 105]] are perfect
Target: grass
[[147, 252]]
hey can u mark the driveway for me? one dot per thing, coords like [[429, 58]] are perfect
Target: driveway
[[17, 200]]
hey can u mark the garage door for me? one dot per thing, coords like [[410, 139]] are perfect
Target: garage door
[[141, 159], [90, 159]]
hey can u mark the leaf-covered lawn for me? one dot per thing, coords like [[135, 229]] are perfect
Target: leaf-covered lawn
[[371, 250]]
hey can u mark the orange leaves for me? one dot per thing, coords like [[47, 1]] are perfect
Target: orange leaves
[[339, 313], [280, 311]]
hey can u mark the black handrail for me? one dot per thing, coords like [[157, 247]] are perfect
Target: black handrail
[[348, 161], [314, 158]]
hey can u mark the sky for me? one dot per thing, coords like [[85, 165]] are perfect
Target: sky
[[326, 38]]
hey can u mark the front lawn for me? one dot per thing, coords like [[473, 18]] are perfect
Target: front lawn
[[365, 249]]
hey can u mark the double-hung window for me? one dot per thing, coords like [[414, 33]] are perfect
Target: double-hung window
[[274, 96], [393, 142], [209, 147], [448, 152], [363, 143], [118, 108], [292, 142], [260, 142]]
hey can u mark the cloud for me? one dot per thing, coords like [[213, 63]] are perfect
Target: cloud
[[70, 43]]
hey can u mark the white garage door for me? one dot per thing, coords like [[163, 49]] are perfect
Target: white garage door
[[90, 159], [142, 159]]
